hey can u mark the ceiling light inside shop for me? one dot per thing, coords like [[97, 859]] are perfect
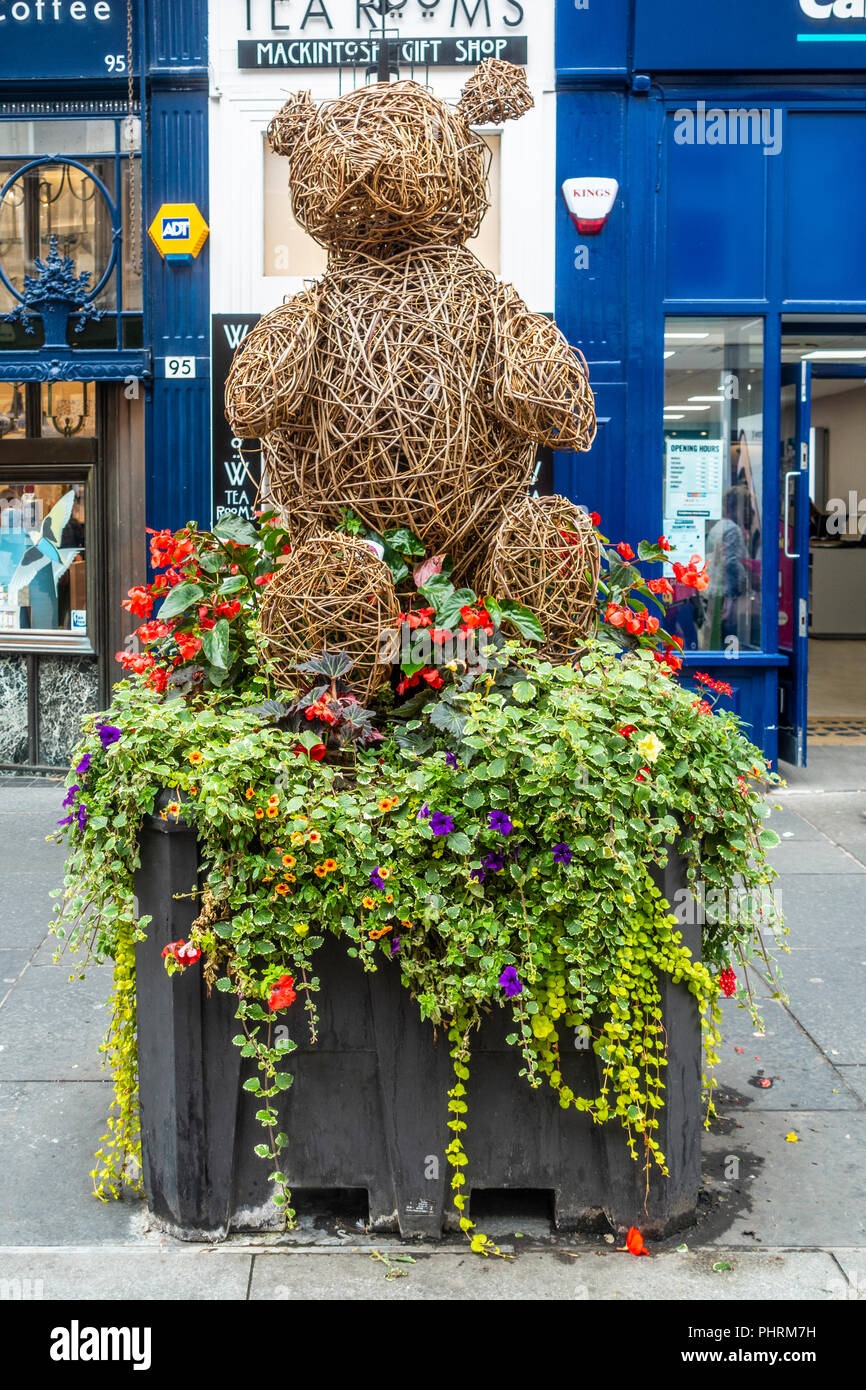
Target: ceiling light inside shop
[[833, 354], [706, 398], [684, 337]]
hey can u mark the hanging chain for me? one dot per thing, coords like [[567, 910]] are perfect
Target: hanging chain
[[134, 239]]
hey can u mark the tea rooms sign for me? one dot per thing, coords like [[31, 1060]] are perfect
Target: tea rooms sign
[[346, 33]]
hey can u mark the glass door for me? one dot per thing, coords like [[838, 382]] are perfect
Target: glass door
[[794, 561]]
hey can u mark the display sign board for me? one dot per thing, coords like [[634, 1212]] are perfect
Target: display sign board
[[63, 39], [694, 481], [237, 463], [339, 53], [347, 33], [677, 35]]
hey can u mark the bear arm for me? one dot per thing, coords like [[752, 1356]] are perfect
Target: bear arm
[[272, 368], [541, 384]]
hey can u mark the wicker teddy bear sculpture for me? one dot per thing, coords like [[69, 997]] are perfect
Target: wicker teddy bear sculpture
[[407, 384]]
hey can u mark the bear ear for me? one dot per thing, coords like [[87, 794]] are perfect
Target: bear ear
[[497, 91], [290, 122]]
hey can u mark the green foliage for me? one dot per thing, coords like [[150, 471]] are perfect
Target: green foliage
[[611, 760]]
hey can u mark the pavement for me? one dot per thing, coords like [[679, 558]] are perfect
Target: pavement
[[783, 1206]]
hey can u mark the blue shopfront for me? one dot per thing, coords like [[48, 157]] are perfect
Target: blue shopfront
[[104, 345], [722, 308]]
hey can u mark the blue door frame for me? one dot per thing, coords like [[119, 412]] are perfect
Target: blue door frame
[[794, 558], [614, 121]]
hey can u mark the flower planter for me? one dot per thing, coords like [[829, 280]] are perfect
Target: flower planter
[[368, 1105]]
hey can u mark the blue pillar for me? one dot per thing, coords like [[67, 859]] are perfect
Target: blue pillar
[[178, 294]]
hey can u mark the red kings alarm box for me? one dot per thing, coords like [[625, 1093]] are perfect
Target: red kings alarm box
[[590, 202]]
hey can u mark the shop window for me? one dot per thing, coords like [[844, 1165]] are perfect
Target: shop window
[[43, 549], [59, 201], [289, 251], [713, 476]]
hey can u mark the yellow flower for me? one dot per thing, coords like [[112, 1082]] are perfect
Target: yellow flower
[[249, 793], [195, 757], [193, 791], [289, 861], [173, 808], [290, 878], [649, 747], [302, 820], [301, 928], [272, 812], [314, 837], [297, 838], [260, 815], [389, 897], [383, 873], [320, 871], [329, 865], [369, 903], [273, 801]]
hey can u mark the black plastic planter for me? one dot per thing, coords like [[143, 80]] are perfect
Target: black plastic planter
[[368, 1105]]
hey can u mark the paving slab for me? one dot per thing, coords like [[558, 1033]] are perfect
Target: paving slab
[[49, 1132], [800, 1077], [11, 965], [853, 1263], [786, 822], [826, 911], [51, 1026], [548, 1275], [811, 1192], [855, 1077], [119, 1274], [26, 908], [840, 768], [26, 850], [826, 990], [813, 857], [839, 816]]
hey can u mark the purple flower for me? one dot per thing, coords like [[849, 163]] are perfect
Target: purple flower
[[424, 813], [82, 817], [71, 795], [395, 947], [451, 760], [499, 821], [562, 854], [84, 764], [376, 879], [479, 875], [494, 863], [510, 982], [65, 821], [441, 824], [108, 734]]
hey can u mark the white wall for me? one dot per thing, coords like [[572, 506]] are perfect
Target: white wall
[[844, 414], [243, 102]]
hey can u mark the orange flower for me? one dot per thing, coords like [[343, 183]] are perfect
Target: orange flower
[[389, 897], [330, 865], [289, 861], [290, 878], [383, 873], [387, 803], [249, 793], [369, 903], [260, 815], [407, 925], [314, 837], [383, 931], [273, 801], [634, 1242], [320, 871], [273, 812], [195, 757], [297, 838], [282, 889], [193, 791]]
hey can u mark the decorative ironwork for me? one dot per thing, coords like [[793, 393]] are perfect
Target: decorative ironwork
[[56, 293]]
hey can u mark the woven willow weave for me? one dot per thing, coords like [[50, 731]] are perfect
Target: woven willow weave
[[332, 594], [546, 554]]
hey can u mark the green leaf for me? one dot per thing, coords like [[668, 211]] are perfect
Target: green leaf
[[181, 597], [493, 608], [459, 842], [232, 584], [445, 717], [235, 528], [523, 619], [215, 644], [769, 839], [524, 692], [405, 543]]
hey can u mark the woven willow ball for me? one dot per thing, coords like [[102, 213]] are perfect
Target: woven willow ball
[[332, 594], [546, 555], [387, 165], [496, 92], [398, 421]]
